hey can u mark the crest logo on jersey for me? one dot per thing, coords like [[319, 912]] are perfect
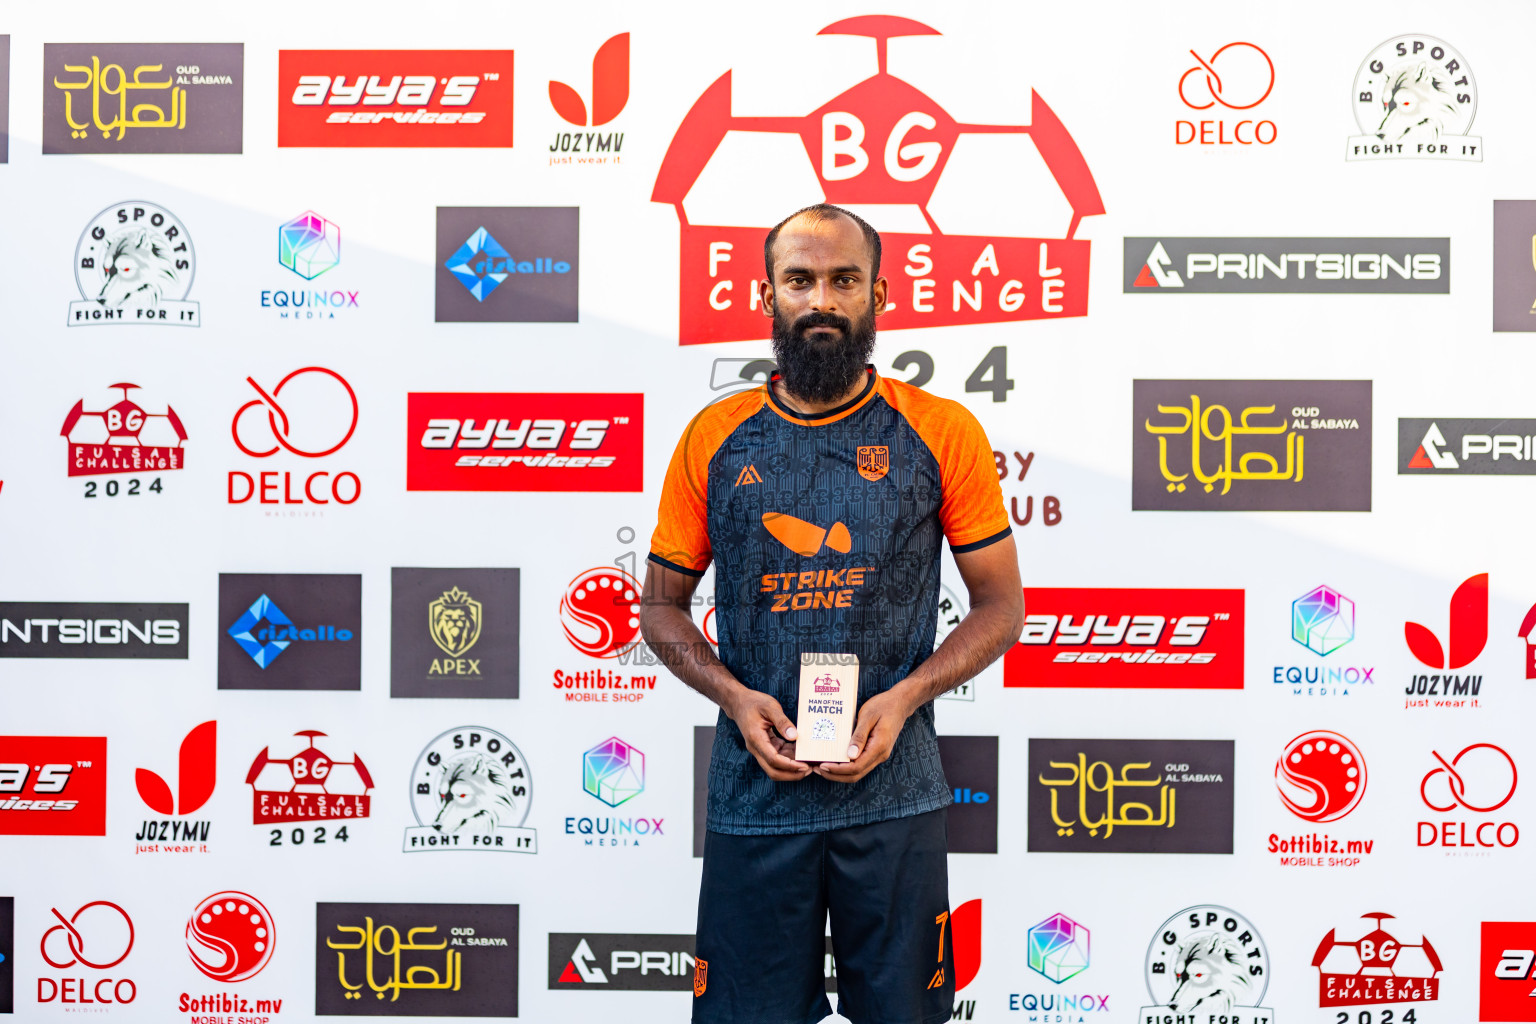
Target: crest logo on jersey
[[874, 461]]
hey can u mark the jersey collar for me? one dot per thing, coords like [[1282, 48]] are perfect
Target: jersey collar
[[848, 408]]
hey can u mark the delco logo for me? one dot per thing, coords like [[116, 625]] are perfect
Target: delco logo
[[394, 98], [1176, 639], [941, 188], [524, 442], [53, 785]]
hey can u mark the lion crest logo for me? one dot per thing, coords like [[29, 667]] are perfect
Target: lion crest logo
[[475, 793], [454, 622]]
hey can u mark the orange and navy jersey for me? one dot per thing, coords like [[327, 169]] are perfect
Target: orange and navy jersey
[[824, 532]]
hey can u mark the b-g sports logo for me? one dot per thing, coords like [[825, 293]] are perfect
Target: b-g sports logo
[[1129, 638], [394, 98], [524, 442]]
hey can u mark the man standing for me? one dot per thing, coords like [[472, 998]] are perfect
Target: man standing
[[821, 498]]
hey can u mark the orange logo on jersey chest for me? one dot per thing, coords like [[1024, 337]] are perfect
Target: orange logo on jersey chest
[[874, 461]]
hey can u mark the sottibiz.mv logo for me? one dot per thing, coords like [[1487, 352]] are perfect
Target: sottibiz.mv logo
[[941, 186], [527, 442], [1124, 638]]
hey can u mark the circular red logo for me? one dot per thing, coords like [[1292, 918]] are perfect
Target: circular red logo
[[601, 612], [230, 936], [104, 933], [1321, 776]]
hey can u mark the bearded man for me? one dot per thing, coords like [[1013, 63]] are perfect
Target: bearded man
[[822, 498]]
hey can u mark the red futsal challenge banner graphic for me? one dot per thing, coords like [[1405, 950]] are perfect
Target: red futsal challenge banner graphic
[[394, 98], [462, 441], [1129, 639]]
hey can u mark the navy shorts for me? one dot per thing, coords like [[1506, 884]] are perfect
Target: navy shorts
[[763, 909]]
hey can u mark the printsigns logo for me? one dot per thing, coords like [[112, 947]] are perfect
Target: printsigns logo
[[1482, 447], [1208, 961], [316, 418], [79, 629], [624, 963], [123, 438], [1287, 266], [1505, 970], [134, 264], [1130, 796], [1251, 445], [541, 272], [970, 765], [1377, 967], [53, 785], [1129, 638], [230, 936], [471, 790], [394, 98], [309, 786], [1514, 265], [884, 142], [1058, 948], [454, 960], [1414, 96], [455, 633], [1236, 77], [1481, 778], [315, 616], [524, 442], [143, 97], [98, 936]]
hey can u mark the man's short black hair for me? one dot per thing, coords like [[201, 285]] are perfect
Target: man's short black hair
[[825, 211]]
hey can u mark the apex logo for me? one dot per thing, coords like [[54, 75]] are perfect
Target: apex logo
[[1468, 631], [610, 87], [748, 475], [196, 772], [1158, 271], [806, 539], [1429, 456]]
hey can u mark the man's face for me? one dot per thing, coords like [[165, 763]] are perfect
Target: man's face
[[823, 300]]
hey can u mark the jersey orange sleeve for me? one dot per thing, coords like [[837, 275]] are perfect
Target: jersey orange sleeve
[[681, 540], [972, 512]]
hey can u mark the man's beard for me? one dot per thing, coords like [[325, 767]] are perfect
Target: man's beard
[[822, 370]]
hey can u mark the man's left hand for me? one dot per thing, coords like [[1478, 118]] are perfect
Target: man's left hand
[[874, 736]]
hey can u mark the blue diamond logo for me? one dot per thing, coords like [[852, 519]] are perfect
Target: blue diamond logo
[[480, 264], [244, 631]]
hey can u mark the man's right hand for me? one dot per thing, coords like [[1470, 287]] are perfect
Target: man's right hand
[[769, 735]]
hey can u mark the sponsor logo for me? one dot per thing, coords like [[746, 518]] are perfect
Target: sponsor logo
[[53, 785], [627, 963], [230, 936], [1528, 634], [316, 418], [970, 765], [958, 931], [1322, 621], [1130, 796], [7, 903], [1514, 265], [468, 950], [98, 936], [455, 633], [1059, 952], [394, 98], [600, 613], [1481, 778], [1129, 638], [1481, 447], [123, 438], [1377, 967], [78, 629], [748, 475], [1251, 445], [1236, 77], [541, 273], [309, 245], [613, 772], [874, 460], [1208, 962], [1504, 970], [610, 93], [700, 977], [1290, 266], [317, 617], [1467, 635], [471, 789], [1414, 96], [134, 264], [308, 786], [143, 97], [196, 775], [524, 442], [884, 147], [1321, 778]]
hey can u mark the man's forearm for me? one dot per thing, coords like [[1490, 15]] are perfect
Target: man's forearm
[[980, 639], [677, 642]]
